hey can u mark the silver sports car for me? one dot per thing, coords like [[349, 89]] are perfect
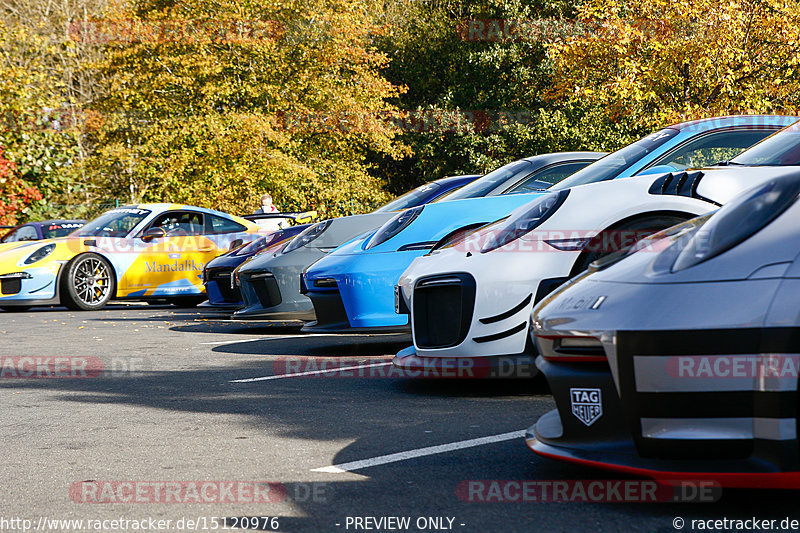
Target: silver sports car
[[680, 360]]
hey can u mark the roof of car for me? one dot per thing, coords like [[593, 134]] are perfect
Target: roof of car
[[59, 221], [555, 157], [463, 177], [744, 120]]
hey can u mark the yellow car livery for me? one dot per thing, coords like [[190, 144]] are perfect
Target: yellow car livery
[[145, 251]]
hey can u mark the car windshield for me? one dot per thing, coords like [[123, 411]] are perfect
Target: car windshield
[[483, 186], [612, 165], [59, 229], [410, 199], [779, 149], [114, 223]]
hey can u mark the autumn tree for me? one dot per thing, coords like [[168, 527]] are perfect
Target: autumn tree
[[15, 194], [650, 62], [212, 103], [38, 132]]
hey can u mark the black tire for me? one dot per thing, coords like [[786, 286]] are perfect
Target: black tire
[[643, 227], [188, 301], [15, 308], [87, 283]]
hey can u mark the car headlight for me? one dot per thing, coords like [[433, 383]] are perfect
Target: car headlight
[[306, 236], [525, 220], [393, 226], [737, 221], [252, 248], [40, 254]]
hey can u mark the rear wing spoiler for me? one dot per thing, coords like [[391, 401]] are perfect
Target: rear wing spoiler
[[303, 217]]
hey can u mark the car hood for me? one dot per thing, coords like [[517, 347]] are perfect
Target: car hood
[[722, 184]]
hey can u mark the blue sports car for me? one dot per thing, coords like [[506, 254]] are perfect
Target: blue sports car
[[352, 288]]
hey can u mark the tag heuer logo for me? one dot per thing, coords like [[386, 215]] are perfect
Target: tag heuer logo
[[587, 405]]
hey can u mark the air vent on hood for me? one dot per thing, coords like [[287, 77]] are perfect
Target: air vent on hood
[[679, 184]]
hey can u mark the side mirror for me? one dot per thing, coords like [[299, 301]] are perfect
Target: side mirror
[[153, 233], [235, 244]]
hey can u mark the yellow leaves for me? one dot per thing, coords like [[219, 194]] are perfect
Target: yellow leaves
[[709, 55]]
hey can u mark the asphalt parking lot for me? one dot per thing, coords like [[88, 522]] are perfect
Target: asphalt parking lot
[[167, 395]]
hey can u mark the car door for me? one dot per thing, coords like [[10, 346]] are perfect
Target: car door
[[171, 264]]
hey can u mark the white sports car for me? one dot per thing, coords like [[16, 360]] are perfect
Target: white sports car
[[472, 296]]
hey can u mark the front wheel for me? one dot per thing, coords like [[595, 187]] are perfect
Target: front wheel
[[88, 283]]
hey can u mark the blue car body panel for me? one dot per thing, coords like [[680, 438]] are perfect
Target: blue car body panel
[[360, 282]]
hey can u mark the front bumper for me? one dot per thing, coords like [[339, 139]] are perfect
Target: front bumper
[[664, 397], [270, 287], [221, 292], [30, 286], [478, 305], [355, 292], [620, 439]]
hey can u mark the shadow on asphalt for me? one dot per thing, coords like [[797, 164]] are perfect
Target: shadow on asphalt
[[379, 415]]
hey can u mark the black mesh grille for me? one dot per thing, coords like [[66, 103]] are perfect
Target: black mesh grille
[[10, 286], [443, 307], [267, 291], [329, 309], [223, 279]]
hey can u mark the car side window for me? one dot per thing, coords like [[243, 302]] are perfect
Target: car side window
[[712, 148], [224, 225], [24, 233], [11, 236], [180, 223], [552, 175]]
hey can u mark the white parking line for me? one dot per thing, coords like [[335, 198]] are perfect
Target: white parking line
[[419, 452], [309, 373]]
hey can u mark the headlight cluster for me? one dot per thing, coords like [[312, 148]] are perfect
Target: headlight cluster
[[525, 219], [393, 226], [40, 254], [307, 235], [736, 222], [252, 247]]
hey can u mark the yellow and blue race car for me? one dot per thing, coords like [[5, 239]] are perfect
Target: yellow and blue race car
[[141, 252]]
